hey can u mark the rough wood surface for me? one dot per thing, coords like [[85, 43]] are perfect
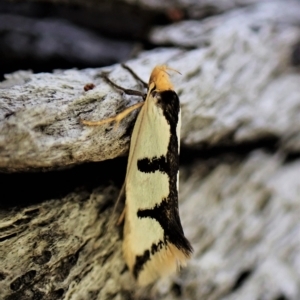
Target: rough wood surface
[[243, 220], [60, 248], [240, 211], [239, 87], [241, 215]]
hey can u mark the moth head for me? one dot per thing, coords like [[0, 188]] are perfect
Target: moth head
[[160, 79]]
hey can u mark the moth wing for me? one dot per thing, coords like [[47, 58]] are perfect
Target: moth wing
[[148, 253]]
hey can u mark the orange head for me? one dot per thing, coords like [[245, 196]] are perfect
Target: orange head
[[160, 78]]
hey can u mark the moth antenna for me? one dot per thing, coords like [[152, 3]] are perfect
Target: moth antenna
[[126, 91], [171, 69], [135, 76]]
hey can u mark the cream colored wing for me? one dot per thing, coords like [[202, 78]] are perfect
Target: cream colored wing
[[154, 242]]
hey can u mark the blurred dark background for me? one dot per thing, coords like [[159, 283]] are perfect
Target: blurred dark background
[[47, 36]]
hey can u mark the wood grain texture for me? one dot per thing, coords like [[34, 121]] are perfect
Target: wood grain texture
[[239, 204], [240, 87], [59, 248], [240, 214]]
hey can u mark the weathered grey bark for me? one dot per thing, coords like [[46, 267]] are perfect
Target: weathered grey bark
[[241, 212], [60, 248], [241, 215], [239, 87]]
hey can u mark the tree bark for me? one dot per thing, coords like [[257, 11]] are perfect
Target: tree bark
[[239, 187]]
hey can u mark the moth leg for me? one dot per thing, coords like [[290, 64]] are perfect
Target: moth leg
[[122, 217], [118, 118], [121, 195], [135, 76]]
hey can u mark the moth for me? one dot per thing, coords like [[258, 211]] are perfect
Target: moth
[[154, 244]]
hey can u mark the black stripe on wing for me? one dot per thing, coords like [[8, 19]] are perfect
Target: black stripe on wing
[[166, 212]]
